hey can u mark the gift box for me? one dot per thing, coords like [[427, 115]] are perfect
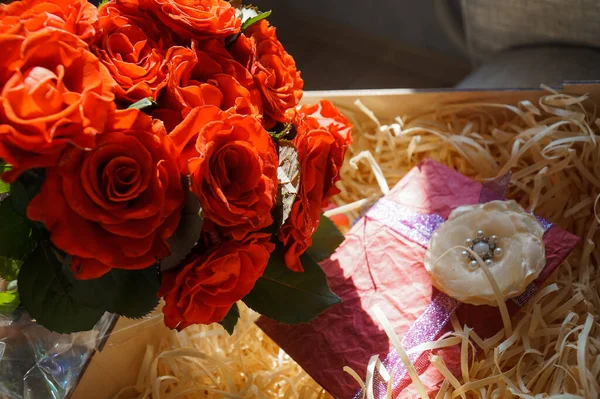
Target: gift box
[[110, 370], [380, 264]]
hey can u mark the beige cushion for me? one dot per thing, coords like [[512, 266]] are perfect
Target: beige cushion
[[530, 67], [495, 25]]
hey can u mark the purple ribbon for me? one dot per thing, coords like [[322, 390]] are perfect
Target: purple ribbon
[[419, 228], [416, 226], [495, 190]]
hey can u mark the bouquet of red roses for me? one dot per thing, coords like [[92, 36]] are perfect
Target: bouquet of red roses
[[154, 148]]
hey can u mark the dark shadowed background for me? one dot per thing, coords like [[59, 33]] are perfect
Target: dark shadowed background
[[354, 44]]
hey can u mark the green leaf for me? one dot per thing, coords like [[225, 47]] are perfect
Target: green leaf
[[19, 198], [25, 188], [4, 187], [187, 234], [46, 293], [246, 23], [96, 293], [137, 292], [288, 175], [290, 297], [325, 240], [231, 319], [129, 293], [283, 131], [9, 269], [143, 103], [15, 233], [9, 301]]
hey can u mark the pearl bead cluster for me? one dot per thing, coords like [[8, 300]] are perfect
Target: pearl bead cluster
[[483, 246]]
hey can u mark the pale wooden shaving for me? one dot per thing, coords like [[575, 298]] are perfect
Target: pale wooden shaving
[[443, 389], [358, 205], [366, 155], [370, 373], [410, 368], [440, 343], [205, 362], [596, 208], [499, 297], [356, 378], [438, 362], [552, 148]]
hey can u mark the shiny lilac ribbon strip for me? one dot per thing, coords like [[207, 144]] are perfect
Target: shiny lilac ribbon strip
[[419, 228], [495, 190], [425, 329], [416, 226]]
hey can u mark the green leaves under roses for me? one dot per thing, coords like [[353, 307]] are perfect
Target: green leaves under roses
[[46, 286], [46, 293], [16, 232], [188, 232], [4, 187], [9, 301], [231, 319], [59, 302], [130, 293], [290, 297], [9, 269], [18, 236], [325, 240]]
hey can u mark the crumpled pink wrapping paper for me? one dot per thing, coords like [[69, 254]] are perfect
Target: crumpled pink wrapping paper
[[377, 266]]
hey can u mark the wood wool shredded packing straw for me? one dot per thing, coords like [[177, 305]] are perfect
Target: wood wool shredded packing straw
[[205, 362], [553, 151], [553, 351]]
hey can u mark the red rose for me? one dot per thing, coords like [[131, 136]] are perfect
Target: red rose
[[78, 17], [205, 289], [322, 138], [116, 205], [190, 19], [56, 92], [133, 49], [274, 70], [208, 75], [232, 166]]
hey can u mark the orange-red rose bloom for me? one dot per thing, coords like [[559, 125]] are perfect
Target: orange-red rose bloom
[[274, 70], [116, 205], [322, 139], [78, 17], [191, 19], [133, 49], [56, 92], [205, 289], [208, 75], [232, 167]]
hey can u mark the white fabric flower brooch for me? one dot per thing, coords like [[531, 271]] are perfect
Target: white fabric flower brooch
[[501, 236]]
